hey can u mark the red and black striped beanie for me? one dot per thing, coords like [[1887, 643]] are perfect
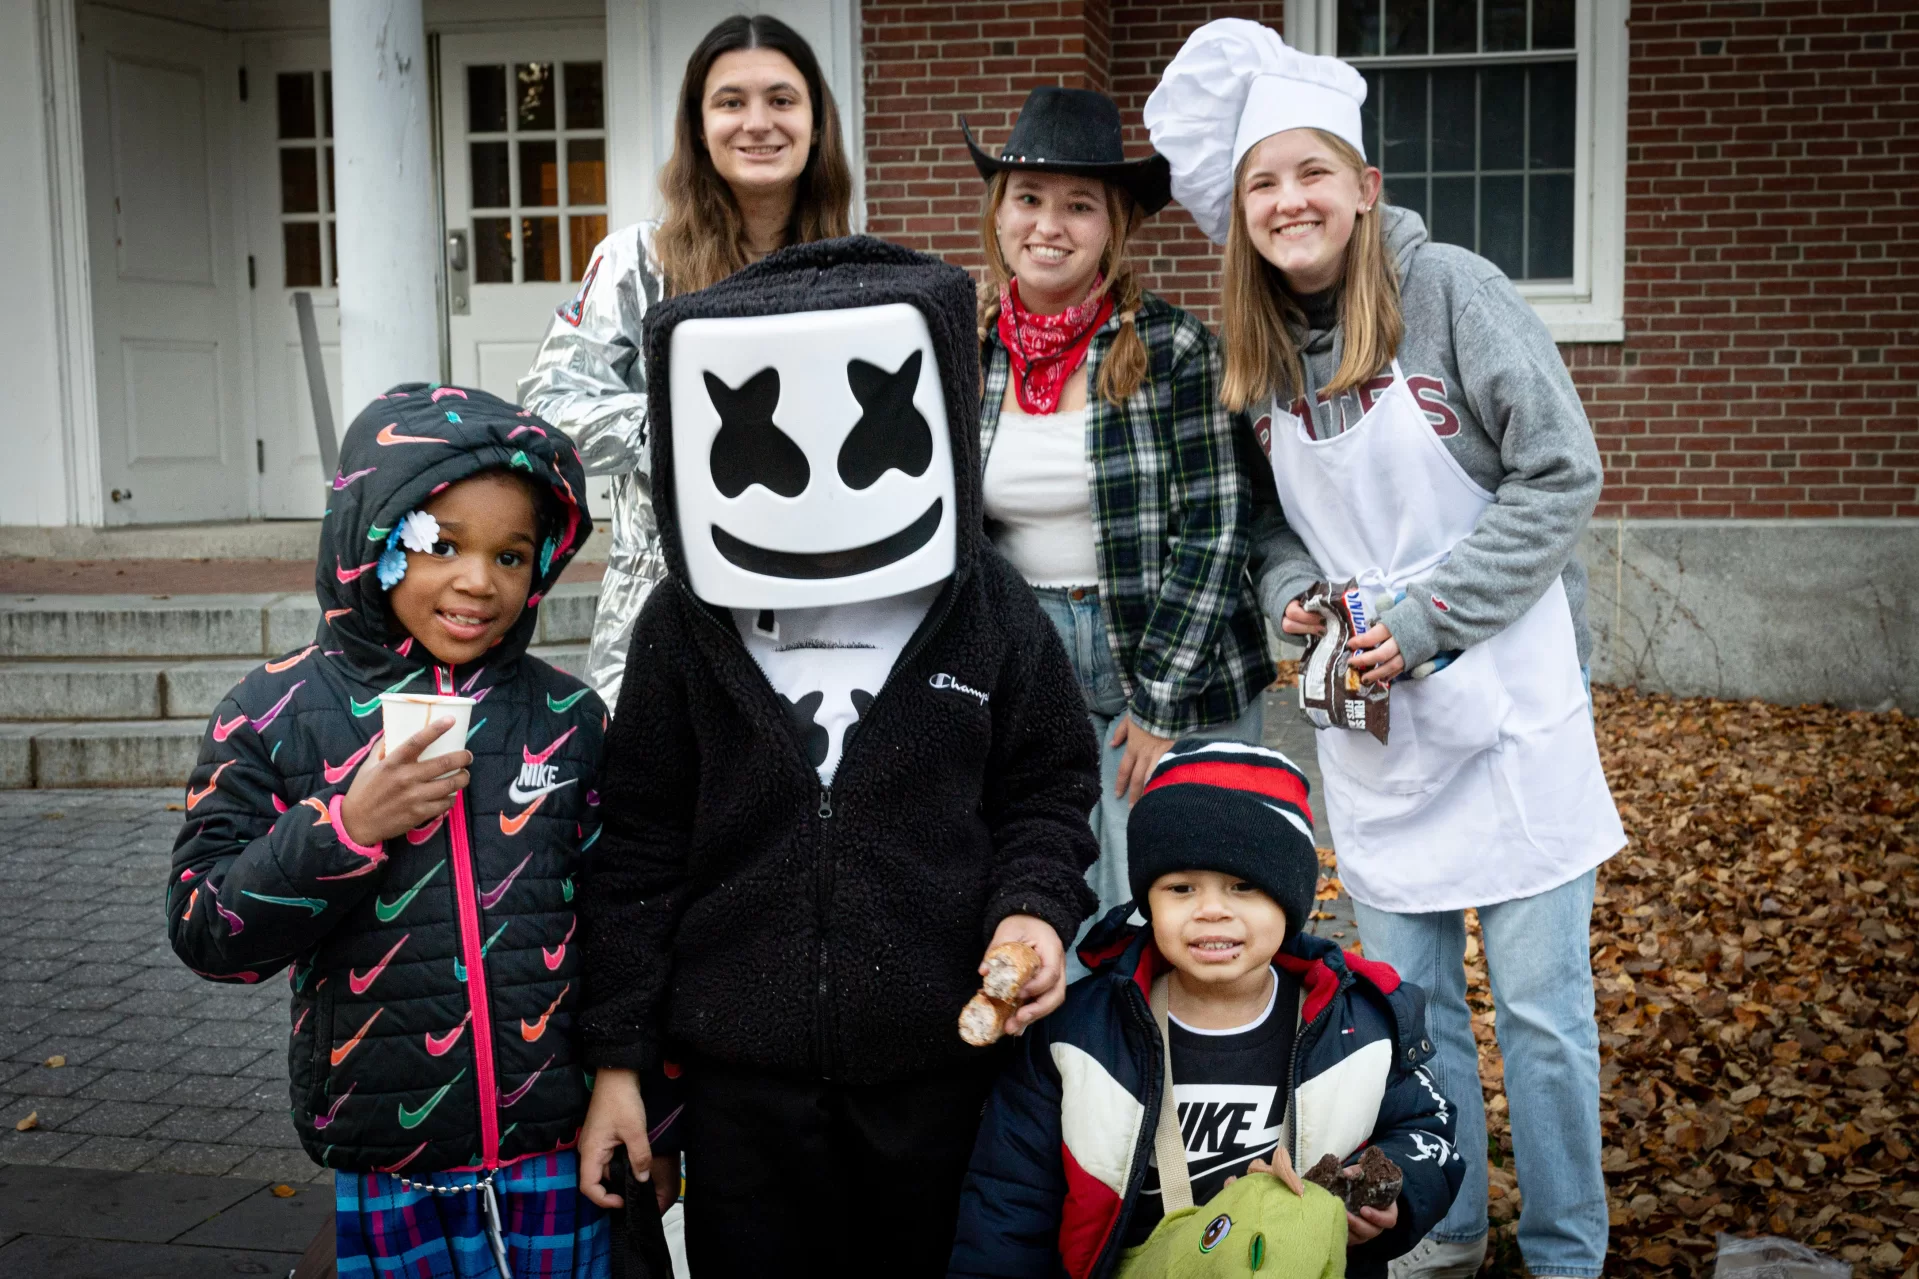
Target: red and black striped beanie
[[1232, 807]]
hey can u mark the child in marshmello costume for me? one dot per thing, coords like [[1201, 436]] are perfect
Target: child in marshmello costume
[[1425, 441], [850, 755]]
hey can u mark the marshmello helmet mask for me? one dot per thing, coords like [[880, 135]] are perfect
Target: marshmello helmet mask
[[812, 458]]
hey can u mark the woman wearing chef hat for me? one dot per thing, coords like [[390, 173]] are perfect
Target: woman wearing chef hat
[[1424, 439]]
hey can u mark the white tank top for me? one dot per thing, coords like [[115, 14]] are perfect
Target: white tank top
[[1038, 494]]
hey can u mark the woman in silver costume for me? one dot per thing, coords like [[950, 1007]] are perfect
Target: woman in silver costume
[[757, 164]]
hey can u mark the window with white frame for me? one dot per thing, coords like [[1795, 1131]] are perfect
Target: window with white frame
[[1501, 123]]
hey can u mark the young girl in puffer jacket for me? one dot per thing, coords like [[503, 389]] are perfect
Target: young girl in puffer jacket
[[423, 907]]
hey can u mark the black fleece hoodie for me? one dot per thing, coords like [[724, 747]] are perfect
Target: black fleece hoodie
[[738, 911], [434, 978]]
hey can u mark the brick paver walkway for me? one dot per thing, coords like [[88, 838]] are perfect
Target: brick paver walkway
[[164, 1072]]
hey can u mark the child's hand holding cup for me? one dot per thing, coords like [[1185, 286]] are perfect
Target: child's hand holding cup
[[413, 783]]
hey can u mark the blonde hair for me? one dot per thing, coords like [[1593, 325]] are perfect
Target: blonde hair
[[702, 238], [1124, 367], [1262, 355]]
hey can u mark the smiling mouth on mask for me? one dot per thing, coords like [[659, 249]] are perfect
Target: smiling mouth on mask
[[821, 565]]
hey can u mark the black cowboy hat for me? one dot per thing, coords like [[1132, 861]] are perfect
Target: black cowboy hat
[[1075, 131]]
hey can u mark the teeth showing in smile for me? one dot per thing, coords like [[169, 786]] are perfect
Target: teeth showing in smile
[[1048, 254], [463, 619], [1296, 229], [1216, 945]]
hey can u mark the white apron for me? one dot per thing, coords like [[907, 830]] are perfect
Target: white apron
[[1490, 788]]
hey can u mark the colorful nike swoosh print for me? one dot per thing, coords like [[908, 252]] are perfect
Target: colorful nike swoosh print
[[489, 900], [332, 613], [414, 1118], [223, 731], [195, 796], [342, 481], [260, 725], [440, 1045], [388, 436], [301, 1020], [527, 427], [531, 1031], [333, 1111], [404, 647], [363, 709], [555, 957], [375, 533], [507, 1099], [247, 978], [459, 965], [359, 984], [313, 802], [511, 826], [402, 1162], [345, 574], [340, 1054], [288, 663], [441, 393], [526, 752], [193, 899], [565, 704], [566, 888], [591, 840], [279, 805], [420, 834], [387, 911], [314, 904], [235, 925], [336, 773]]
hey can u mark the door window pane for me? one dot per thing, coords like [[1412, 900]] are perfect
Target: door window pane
[[534, 83], [1552, 24], [296, 104], [1358, 28], [540, 174], [1502, 118], [583, 233], [486, 99], [301, 243], [586, 95], [493, 250], [326, 101], [1502, 223], [1454, 217], [492, 189], [1405, 116], [299, 181], [1455, 26], [1552, 113], [333, 252], [586, 171], [1455, 119], [332, 201], [1549, 226], [539, 249], [1405, 26]]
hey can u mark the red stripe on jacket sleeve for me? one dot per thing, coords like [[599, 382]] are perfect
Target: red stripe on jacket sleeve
[[1086, 1219]]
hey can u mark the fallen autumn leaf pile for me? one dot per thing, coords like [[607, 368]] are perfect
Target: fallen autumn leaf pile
[[1757, 999]]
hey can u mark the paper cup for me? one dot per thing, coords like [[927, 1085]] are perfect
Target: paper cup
[[406, 714]]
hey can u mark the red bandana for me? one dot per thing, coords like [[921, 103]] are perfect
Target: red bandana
[[1046, 350]]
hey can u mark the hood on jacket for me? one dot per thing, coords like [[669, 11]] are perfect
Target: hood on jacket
[[403, 448], [1405, 234], [823, 276]]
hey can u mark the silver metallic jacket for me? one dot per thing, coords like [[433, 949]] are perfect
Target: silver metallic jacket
[[590, 381]]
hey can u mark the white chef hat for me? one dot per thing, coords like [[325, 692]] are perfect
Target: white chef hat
[[1231, 85]]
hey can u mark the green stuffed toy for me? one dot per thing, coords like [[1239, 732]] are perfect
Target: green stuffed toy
[[1258, 1227]]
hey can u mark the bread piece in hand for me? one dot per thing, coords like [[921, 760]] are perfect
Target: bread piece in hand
[[1009, 966], [1373, 1182], [983, 1020]]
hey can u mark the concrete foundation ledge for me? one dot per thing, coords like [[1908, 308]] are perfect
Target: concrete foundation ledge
[[146, 753], [1782, 610]]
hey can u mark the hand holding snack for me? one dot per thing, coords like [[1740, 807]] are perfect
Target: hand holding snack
[[396, 791], [1331, 691], [1021, 981]]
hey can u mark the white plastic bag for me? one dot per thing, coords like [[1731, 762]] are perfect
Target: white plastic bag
[[1770, 1257]]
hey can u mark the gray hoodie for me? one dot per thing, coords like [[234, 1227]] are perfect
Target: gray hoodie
[[1492, 383]]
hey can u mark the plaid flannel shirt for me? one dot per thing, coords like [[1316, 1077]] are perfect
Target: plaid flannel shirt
[[1171, 510]]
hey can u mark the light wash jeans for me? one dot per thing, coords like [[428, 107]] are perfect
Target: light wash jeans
[[1540, 966], [1075, 614]]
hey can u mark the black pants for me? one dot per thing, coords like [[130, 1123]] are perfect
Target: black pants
[[798, 1177]]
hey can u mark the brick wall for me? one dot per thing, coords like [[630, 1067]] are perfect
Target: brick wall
[[1772, 285]]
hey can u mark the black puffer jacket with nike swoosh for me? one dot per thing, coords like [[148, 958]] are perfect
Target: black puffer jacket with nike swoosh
[[434, 979]]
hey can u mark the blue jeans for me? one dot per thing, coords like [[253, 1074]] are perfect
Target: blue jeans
[[1075, 614], [1540, 966]]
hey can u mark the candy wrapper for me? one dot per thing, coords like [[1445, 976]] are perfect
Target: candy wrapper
[[1329, 689]]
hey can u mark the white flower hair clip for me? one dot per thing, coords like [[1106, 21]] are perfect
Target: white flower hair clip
[[416, 531]]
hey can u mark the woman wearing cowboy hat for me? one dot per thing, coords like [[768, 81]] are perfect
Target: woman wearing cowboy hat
[[1426, 441], [1110, 477]]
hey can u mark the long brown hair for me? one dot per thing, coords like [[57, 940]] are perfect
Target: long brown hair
[[1124, 367], [702, 238], [1262, 354]]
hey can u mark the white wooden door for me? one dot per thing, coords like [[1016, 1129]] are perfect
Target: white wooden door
[[286, 135], [523, 145], [156, 102]]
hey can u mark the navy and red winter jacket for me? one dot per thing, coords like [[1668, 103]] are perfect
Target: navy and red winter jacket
[[1064, 1146], [434, 978]]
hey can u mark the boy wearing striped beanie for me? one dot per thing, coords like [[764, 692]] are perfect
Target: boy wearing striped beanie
[[1281, 1051]]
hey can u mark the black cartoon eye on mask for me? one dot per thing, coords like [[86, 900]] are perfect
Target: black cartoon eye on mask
[[749, 449], [891, 434]]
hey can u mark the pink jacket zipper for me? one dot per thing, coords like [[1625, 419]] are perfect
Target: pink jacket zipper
[[466, 895]]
